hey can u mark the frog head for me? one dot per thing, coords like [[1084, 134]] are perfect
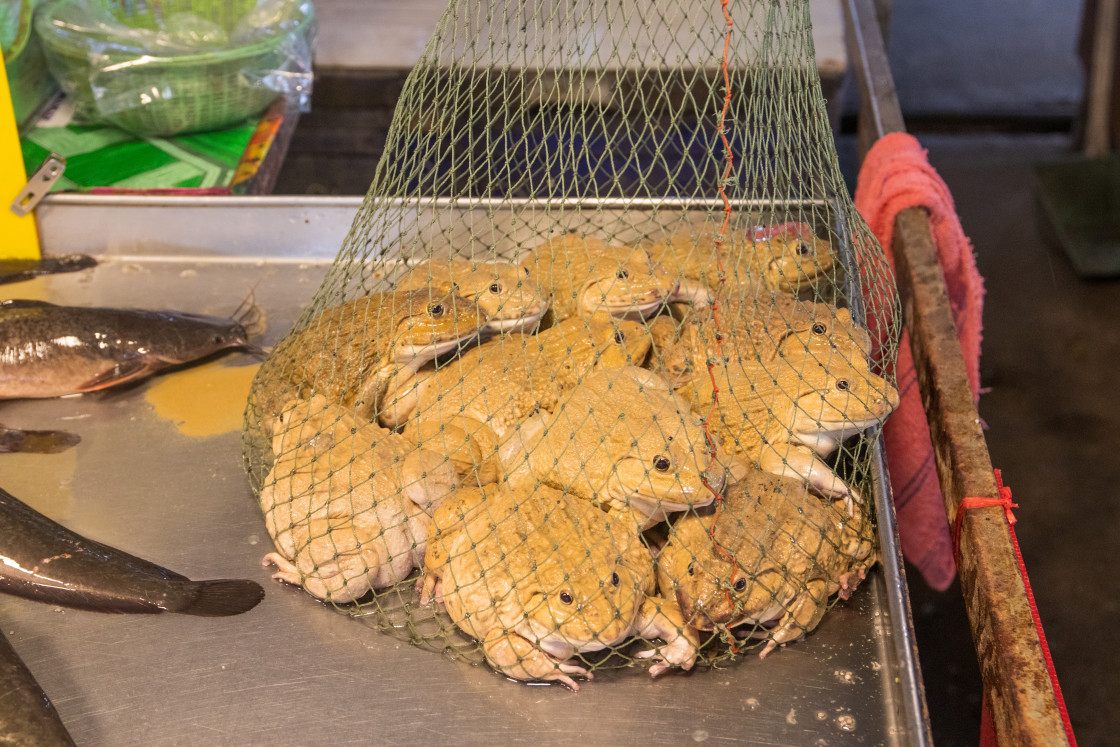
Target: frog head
[[785, 327], [625, 283], [413, 328], [835, 401], [585, 276], [423, 324], [613, 343], [793, 262], [579, 578], [733, 564], [504, 293], [660, 459]]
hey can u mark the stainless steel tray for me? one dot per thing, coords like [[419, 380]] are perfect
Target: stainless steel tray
[[294, 671]]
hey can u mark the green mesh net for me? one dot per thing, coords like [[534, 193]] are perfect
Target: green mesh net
[[595, 377]]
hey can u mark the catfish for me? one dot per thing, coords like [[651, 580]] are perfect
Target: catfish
[[52, 351], [28, 718], [18, 270], [44, 561]]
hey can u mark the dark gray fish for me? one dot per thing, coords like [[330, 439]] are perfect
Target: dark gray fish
[[27, 716], [50, 351], [14, 440], [44, 561], [16, 270]]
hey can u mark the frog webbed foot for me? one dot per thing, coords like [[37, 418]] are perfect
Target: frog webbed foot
[[518, 658], [662, 618], [430, 588], [287, 570], [849, 582]]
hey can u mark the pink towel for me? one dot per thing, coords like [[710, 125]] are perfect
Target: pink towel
[[896, 175]]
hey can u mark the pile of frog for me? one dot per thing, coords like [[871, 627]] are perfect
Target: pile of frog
[[586, 446]]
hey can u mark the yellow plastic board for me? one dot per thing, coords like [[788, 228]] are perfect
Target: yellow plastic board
[[18, 236]]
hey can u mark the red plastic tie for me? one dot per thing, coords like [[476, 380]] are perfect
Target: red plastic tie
[[973, 502], [987, 726]]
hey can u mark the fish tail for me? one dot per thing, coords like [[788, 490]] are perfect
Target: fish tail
[[36, 442], [222, 598]]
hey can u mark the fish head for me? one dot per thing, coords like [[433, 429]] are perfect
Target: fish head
[[195, 336]]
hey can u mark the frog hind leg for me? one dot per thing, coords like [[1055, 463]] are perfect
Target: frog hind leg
[[470, 446], [333, 562], [662, 618], [518, 658], [802, 616]]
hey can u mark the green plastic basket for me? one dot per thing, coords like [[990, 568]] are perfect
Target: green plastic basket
[[28, 79], [166, 94]]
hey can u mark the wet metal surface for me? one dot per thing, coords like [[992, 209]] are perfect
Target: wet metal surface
[[293, 671]]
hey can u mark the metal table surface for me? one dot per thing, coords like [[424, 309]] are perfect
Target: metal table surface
[[294, 671]]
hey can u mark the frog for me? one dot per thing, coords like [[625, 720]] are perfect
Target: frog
[[352, 352], [347, 502], [771, 556], [787, 258], [622, 440], [584, 275], [507, 297], [764, 327], [538, 576], [785, 414], [468, 404]]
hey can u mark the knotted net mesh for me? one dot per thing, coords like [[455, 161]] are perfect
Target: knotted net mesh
[[597, 373]]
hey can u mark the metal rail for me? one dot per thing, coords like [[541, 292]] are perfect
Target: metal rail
[[1016, 683]]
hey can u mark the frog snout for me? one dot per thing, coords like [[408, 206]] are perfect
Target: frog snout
[[693, 612]]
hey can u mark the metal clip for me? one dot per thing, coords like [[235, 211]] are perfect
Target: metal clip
[[39, 184]]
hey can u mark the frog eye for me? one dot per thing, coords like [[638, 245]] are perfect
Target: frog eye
[[527, 273], [614, 578], [495, 288], [619, 337], [661, 463], [804, 249], [819, 329], [622, 274], [692, 568], [842, 385], [436, 310], [565, 597], [740, 584]]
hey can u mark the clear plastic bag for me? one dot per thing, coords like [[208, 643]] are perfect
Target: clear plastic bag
[[204, 66]]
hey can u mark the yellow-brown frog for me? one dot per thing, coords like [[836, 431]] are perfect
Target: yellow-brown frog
[[506, 296], [346, 502], [351, 352], [786, 258], [584, 275], [538, 576], [760, 327], [771, 555], [469, 403], [622, 440], [783, 413]]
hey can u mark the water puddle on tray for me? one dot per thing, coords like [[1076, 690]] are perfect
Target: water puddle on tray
[[206, 400]]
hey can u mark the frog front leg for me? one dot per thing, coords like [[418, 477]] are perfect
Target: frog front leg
[[662, 618], [801, 462], [517, 657]]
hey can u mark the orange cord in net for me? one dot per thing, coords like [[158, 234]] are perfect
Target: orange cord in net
[[715, 302]]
